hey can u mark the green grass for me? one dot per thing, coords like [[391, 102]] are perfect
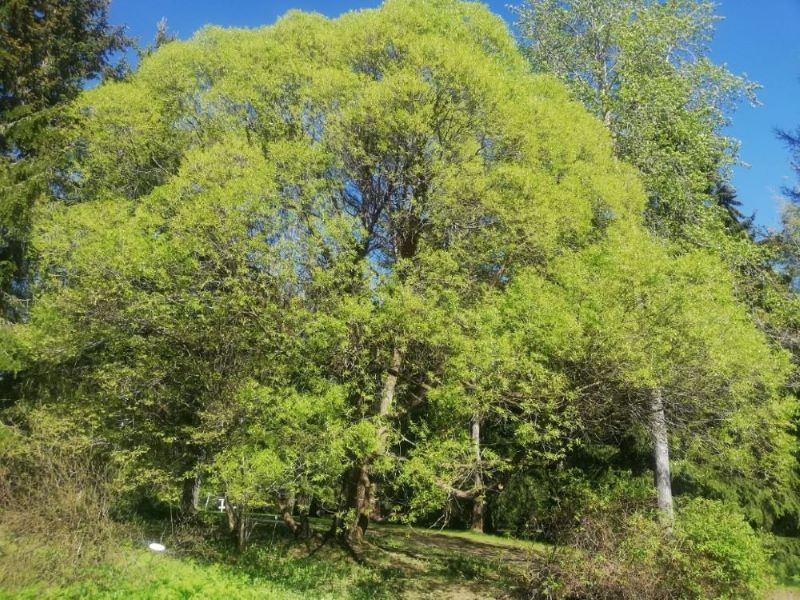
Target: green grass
[[134, 573], [199, 564], [142, 574], [471, 536], [399, 562]]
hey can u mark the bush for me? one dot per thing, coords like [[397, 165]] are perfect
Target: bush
[[785, 553], [727, 558], [55, 497], [711, 553], [548, 506]]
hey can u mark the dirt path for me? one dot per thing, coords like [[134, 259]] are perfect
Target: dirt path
[[785, 594]]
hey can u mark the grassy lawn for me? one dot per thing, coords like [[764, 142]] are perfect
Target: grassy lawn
[[469, 536], [397, 562], [142, 574]]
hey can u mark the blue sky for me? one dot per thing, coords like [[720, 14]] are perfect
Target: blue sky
[[761, 39]]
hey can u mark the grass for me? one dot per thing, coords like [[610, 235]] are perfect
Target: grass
[[196, 565], [399, 562], [470, 536], [259, 573], [143, 574]]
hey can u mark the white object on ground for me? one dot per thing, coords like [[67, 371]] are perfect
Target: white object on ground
[[156, 547]]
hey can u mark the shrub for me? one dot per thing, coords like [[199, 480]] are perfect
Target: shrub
[[711, 553], [552, 504], [785, 553], [727, 558], [56, 497]]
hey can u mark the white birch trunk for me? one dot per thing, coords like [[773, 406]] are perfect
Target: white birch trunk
[[658, 427]]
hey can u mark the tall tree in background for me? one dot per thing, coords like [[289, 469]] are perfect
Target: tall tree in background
[[792, 140], [48, 49], [785, 245], [789, 241], [642, 66]]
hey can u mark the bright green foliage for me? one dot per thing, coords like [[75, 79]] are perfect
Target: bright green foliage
[[664, 321], [712, 553], [246, 209], [658, 321], [730, 553], [292, 259], [642, 66]]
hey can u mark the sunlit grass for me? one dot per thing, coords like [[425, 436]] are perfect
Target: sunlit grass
[[480, 538]]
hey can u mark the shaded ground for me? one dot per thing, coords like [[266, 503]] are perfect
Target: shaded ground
[[396, 563], [418, 563], [452, 565]]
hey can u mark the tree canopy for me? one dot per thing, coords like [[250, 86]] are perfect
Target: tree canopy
[[642, 66], [48, 50], [373, 267]]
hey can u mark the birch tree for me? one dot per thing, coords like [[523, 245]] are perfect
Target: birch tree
[[642, 67]]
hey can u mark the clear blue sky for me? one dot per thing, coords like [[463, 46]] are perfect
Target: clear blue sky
[[761, 39]]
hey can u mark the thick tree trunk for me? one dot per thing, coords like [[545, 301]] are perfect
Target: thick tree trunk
[[658, 427], [361, 489], [238, 523], [478, 499], [360, 500], [286, 507], [190, 495]]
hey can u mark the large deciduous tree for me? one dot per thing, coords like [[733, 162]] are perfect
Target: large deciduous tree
[[362, 260]]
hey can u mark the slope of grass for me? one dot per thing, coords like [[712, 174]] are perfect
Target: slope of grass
[[466, 535], [142, 574], [398, 562]]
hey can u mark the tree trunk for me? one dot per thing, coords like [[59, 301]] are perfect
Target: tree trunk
[[375, 511], [287, 513], [658, 425], [304, 531], [190, 495], [231, 514], [478, 499], [360, 492], [361, 488], [241, 538], [387, 398]]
